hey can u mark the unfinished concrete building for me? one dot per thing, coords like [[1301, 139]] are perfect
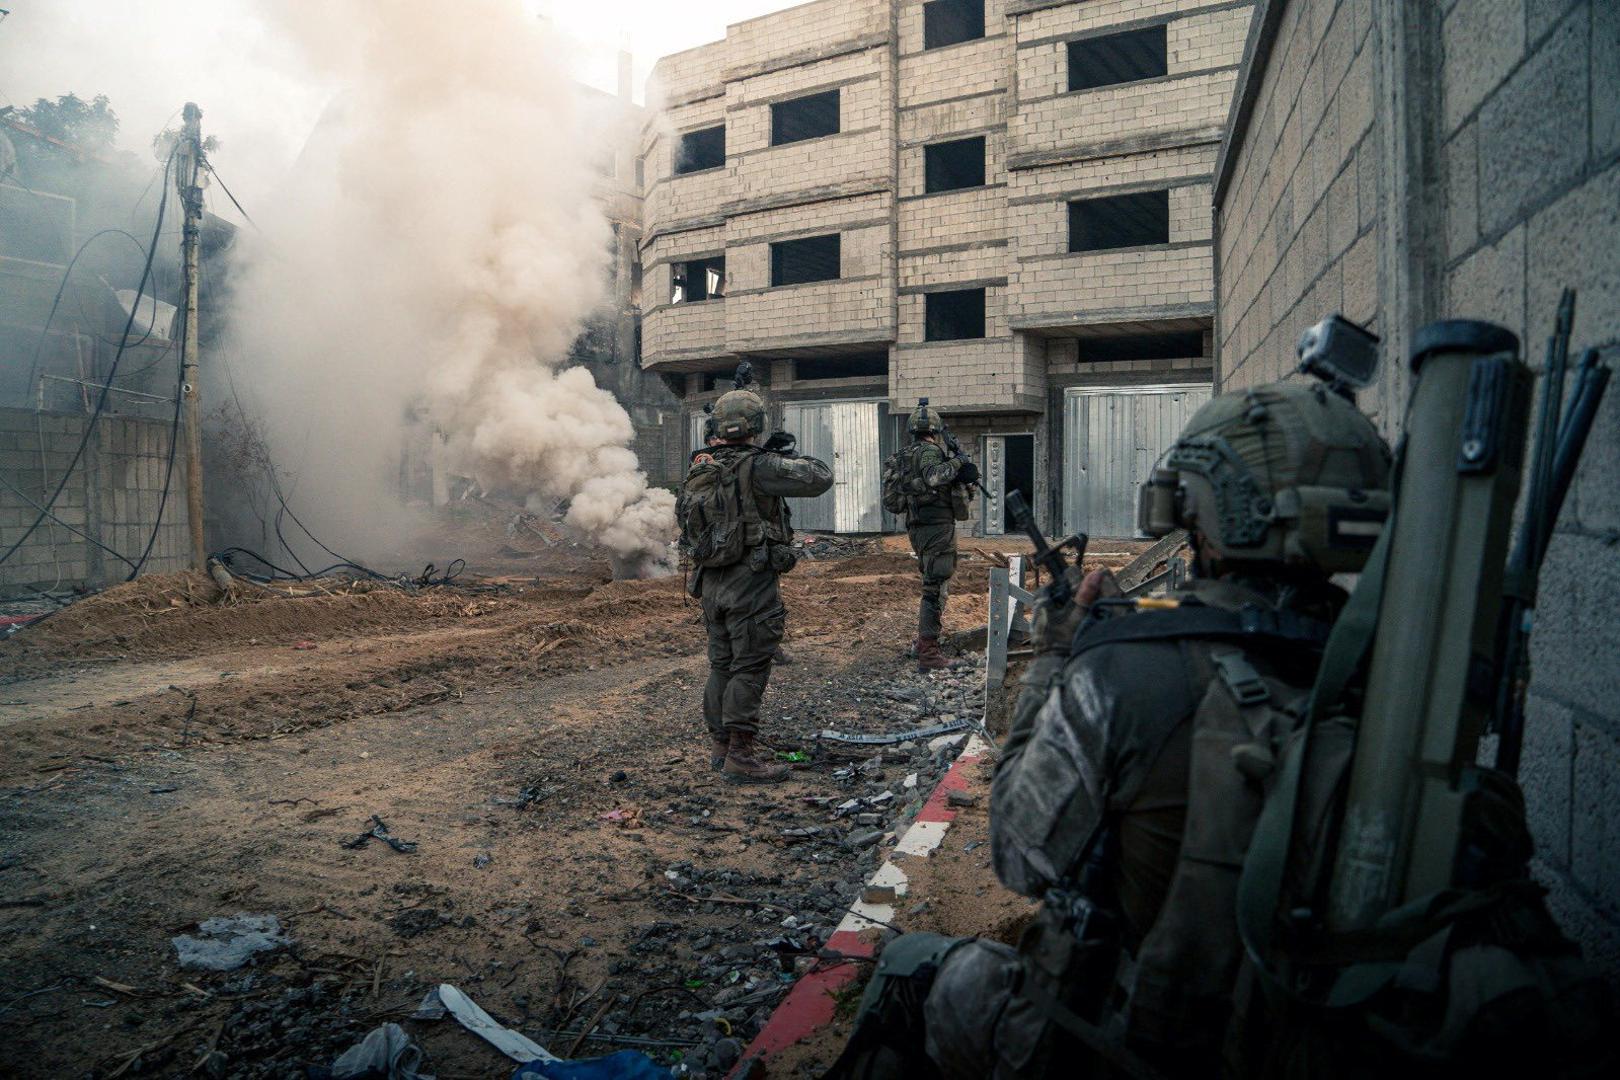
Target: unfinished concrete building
[[1001, 205], [1405, 163]]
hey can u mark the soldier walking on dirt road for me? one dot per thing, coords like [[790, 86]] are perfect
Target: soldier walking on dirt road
[[736, 519], [930, 483]]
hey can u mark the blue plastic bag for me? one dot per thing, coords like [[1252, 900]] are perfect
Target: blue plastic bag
[[625, 1065]]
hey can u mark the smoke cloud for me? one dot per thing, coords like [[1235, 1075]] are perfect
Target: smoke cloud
[[432, 255]]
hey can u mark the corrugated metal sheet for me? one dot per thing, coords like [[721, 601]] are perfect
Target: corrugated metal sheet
[[695, 424], [1111, 439], [849, 436], [809, 421]]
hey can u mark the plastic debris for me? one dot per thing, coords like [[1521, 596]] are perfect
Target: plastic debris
[[431, 1008], [379, 830], [225, 944], [518, 1047], [386, 1051]]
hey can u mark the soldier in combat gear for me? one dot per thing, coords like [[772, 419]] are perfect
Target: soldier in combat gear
[[1135, 739], [735, 518], [933, 482]]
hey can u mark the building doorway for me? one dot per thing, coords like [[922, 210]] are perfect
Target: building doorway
[[1009, 465]]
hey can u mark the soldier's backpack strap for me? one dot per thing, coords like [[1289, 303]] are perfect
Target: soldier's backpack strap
[[1250, 623], [1260, 887]]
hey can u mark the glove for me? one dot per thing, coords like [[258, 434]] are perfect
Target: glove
[[1053, 630], [967, 473], [781, 442]]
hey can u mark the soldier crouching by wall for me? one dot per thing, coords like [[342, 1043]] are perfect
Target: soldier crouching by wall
[[734, 517], [1094, 789]]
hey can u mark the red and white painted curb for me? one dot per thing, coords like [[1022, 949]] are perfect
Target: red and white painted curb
[[809, 1006]]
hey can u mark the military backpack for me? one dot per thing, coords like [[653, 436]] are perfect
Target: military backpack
[[721, 514]]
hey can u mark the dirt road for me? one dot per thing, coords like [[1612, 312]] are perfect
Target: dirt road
[[578, 870]]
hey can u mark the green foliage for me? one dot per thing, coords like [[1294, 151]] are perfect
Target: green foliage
[[89, 125]]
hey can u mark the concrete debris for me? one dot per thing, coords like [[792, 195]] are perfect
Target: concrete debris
[[225, 944]]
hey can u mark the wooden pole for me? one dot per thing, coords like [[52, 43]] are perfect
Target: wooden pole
[[188, 170]]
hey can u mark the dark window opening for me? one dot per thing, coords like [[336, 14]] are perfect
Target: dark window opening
[[697, 279], [641, 167], [815, 258], [841, 367], [716, 380], [699, 150], [635, 283], [1117, 58], [1175, 345], [954, 315], [808, 117], [1116, 221], [948, 166], [638, 341], [948, 22]]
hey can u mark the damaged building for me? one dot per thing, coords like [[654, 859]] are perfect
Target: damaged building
[[1001, 205]]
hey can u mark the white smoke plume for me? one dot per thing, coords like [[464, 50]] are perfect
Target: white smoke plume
[[434, 252]]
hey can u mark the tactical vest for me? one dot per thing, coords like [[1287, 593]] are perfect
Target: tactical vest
[[724, 516], [926, 505]]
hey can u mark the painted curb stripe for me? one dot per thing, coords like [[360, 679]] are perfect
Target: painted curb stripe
[[809, 1006]]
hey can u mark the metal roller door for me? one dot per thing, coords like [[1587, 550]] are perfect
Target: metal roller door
[[848, 436]]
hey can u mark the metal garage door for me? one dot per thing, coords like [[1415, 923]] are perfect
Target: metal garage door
[[845, 434], [1111, 438]]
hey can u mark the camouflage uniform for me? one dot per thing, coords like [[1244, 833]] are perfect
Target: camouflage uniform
[[931, 528], [1110, 741], [742, 606]]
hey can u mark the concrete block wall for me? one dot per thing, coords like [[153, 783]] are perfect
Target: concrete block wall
[[860, 155], [803, 34], [1500, 187], [1204, 44], [113, 495], [1111, 286], [967, 69], [1296, 228]]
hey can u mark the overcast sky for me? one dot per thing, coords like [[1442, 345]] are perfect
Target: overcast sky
[[150, 56]]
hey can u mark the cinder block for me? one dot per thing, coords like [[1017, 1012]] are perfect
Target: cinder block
[[1533, 130], [1462, 191], [1546, 775], [1595, 832], [1482, 42], [1489, 284], [1571, 243], [1605, 78], [1575, 623]]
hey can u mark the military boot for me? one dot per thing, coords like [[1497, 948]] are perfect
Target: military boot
[[929, 657], [749, 763], [719, 746]]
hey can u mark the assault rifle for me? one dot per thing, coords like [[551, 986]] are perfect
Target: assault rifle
[[1052, 558]]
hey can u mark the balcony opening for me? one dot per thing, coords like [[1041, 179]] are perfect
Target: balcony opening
[[697, 279], [1164, 345], [699, 150], [815, 258], [948, 166], [1116, 221], [1117, 58], [841, 367], [954, 315], [808, 117], [950, 22]]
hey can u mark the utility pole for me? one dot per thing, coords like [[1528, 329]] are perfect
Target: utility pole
[[187, 176]]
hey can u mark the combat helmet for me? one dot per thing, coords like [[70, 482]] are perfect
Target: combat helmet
[[739, 414], [923, 421], [1286, 473]]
